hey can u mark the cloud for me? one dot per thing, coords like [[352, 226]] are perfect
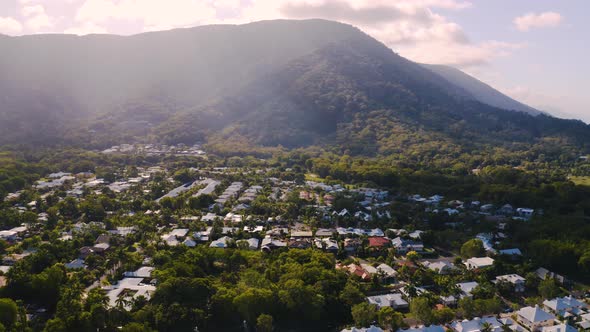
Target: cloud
[[85, 29], [410, 27], [171, 13], [542, 20], [36, 17], [10, 26]]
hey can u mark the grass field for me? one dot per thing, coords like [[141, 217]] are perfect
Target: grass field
[[580, 180]]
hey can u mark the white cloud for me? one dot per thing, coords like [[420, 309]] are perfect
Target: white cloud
[[172, 13], [410, 27], [541, 20], [36, 17], [32, 10], [85, 29], [10, 26]]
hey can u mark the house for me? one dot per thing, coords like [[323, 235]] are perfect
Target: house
[[128, 289], [75, 264], [351, 245], [476, 263], [534, 318], [394, 300], [403, 246], [449, 301], [525, 213], [189, 242], [506, 210], [466, 288], [356, 270], [101, 247], [510, 252], [269, 244], [441, 267], [252, 243], [477, 325], [372, 328], [378, 242], [543, 274], [222, 242], [142, 272], [431, 328], [324, 232], [233, 218], [387, 271], [559, 328], [515, 280], [210, 217], [299, 243], [301, 234], [253, 229], [561, 305], [326, 244], [369, 268]]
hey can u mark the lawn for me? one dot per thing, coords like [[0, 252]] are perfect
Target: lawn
[[580, 180]]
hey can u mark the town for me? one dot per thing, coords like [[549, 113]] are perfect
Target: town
[[409, 263]]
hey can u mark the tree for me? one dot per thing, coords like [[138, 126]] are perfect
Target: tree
[[486, 327], [364, 314], [413, 256], [421, 309], [548, 288], [8, 312], [473, 248], [351, 294], [136, 327], [390, 319], [264, 323]]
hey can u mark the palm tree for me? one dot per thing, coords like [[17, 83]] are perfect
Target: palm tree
[[486, 327]]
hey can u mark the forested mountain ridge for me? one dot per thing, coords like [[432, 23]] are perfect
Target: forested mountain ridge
[[480, 90], [292, 83]]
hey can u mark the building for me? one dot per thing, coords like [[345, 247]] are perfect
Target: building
[[441, 267], [559, 328], [476, 263], [466, 288], [252, 243], [534, 318], [222, 242], [394, 300], [561, 305], [515, 280], [477, 325], [403, 246]]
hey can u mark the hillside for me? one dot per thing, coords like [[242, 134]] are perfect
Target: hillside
[[480, 90], [289, 83]]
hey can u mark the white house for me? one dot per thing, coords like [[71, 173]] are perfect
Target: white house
[[441, 267], [394, 300], [466, 288], [475, 263], [559, 328], [534, 318], [517, 281], [561, 305], [222, 242]]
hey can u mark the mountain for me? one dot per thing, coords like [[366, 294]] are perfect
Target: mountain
[[289, 83], [480, 90]]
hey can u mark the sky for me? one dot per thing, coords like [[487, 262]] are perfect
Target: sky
[[535, 51]]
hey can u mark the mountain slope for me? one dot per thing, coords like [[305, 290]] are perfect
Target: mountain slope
[[290, 83], [360, 96], [480, 90], [170, 70]]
